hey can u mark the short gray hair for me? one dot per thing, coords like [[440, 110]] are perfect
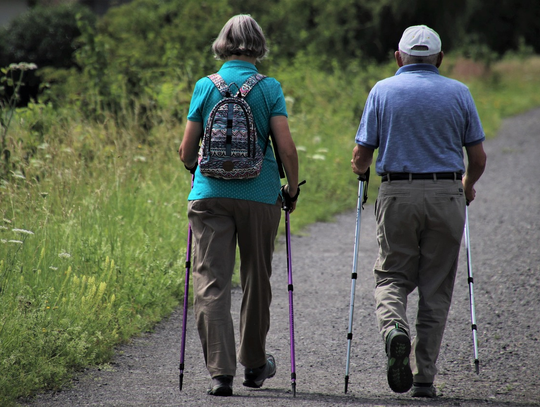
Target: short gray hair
[[241, 35], [409, 59]]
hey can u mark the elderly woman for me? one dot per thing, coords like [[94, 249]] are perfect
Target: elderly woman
[[224, 213]]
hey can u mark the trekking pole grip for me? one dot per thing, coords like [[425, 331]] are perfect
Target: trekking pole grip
[[289, 200], [364, 176]]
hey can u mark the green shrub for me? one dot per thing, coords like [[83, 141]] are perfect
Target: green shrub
[[44, 35]]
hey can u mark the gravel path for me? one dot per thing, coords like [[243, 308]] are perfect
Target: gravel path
[[505, 236]]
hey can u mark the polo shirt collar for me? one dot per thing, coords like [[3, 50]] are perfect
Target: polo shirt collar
[[417, 67], [237, 63]]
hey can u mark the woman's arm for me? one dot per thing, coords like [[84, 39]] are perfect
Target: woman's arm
[[287, 152], [189, 147]]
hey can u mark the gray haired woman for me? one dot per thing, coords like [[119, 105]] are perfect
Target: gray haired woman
[[246, 213]]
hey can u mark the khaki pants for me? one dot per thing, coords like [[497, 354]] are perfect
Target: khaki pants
[[217, 225], [419, 230]]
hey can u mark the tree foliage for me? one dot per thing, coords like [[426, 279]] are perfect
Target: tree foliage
[[139, 48], [45, 36]]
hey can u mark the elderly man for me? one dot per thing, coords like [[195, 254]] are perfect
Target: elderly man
[[419, 121]]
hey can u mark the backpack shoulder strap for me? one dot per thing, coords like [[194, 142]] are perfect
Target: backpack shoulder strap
[[244, 90], [250, 83], [220, 84]]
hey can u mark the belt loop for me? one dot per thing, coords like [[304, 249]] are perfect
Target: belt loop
[[410, 177], [388, 178], [455, 176], [434, 177]]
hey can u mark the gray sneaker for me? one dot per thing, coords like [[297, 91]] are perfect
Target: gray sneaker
[[423, 390], [255, 377]]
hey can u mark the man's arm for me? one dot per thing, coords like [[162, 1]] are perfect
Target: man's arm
[[476, 157], [362, 159]]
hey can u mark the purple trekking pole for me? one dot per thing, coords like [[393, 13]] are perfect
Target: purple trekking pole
[[186, 295], [286, 205]]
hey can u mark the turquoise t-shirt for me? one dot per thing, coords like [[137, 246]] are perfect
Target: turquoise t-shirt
[[266, 100]]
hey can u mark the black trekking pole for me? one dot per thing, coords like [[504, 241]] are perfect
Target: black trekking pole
[[286, 205], [186, 294], [363, 181], [471, 291]]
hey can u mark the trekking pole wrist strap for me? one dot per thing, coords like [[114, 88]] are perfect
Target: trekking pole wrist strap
[[192, 169], [294, 198]]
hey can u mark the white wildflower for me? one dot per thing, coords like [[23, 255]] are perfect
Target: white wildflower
[[322, 150], [23, 66], [15, 241], [64, 255], [26, 232], [301, 148], [18, 174], [318, 157], [289, 99]]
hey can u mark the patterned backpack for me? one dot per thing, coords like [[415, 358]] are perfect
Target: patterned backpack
[[229, 148]]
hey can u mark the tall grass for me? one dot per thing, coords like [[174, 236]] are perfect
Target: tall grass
[[92, 244], [92, 215]]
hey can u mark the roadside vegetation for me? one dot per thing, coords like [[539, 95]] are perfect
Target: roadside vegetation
[[93, 196]]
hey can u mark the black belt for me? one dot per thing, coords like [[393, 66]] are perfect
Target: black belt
[[402, 176]]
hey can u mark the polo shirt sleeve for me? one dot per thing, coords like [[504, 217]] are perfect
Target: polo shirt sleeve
[[367, 134], [195, 113], [474, 133], [280, 107]]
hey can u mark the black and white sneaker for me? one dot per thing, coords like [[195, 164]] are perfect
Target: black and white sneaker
[[398, 348], [255, 378]]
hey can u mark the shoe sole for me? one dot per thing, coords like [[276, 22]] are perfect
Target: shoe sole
[[222, 391], [427, 392], [399, 372], [254, 384]]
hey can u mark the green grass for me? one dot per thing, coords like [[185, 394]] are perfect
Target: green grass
[[93, 216]]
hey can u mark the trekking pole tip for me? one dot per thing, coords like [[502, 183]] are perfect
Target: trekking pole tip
[[293, 385], [346, 383], [477, 366], [181, 380]]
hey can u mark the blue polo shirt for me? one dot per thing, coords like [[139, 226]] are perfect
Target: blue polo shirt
[[420, 121], [266, 100]]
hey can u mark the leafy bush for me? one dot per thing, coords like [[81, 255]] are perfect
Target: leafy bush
[[44, 35]]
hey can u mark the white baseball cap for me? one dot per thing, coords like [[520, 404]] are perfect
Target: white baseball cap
[[420, 41]]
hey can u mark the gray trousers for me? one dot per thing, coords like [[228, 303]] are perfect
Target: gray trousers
[[419, 230], [218, 224]]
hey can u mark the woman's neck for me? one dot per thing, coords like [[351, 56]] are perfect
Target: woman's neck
[[252, 60]]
